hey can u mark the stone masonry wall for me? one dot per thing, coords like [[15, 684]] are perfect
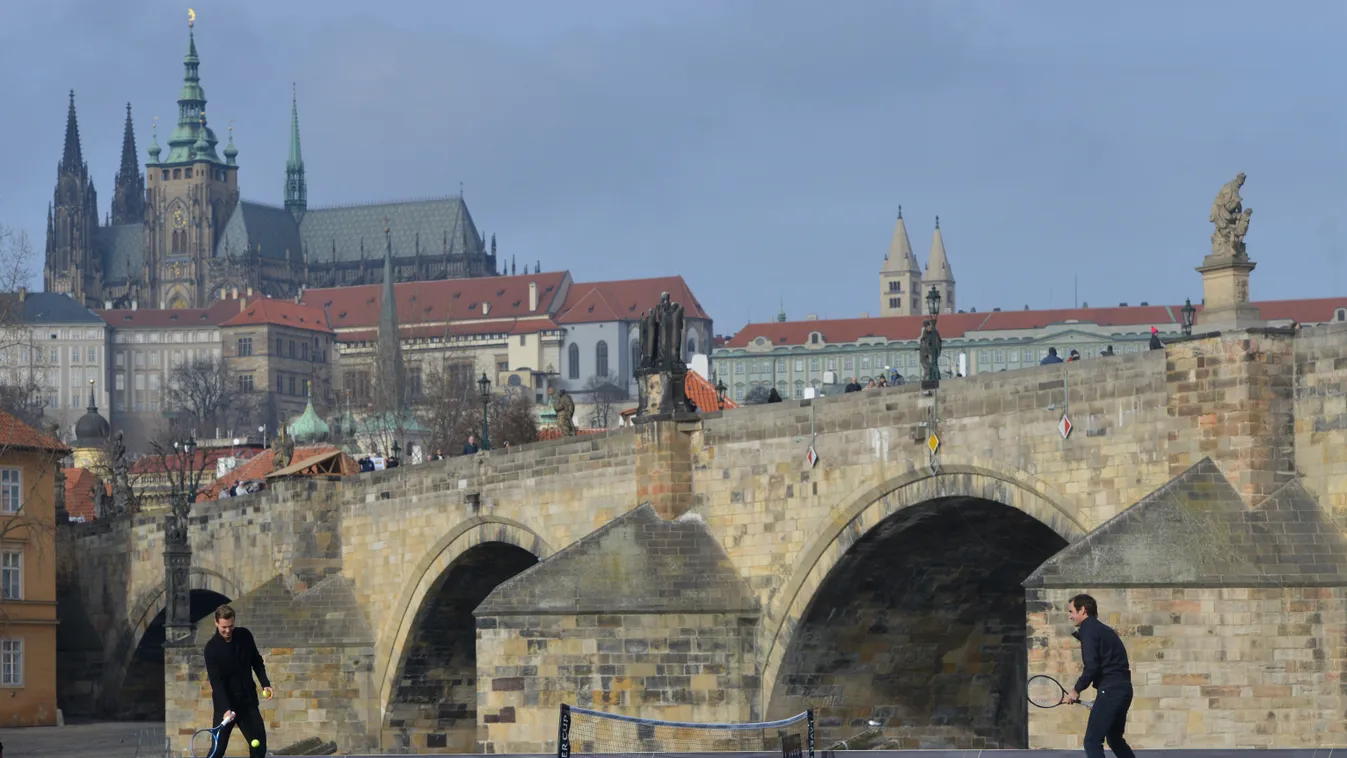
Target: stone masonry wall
[[320, 692], [1321, 416], [1212, 668], [678, 667]]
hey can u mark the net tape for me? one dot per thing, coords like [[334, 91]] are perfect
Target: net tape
[[585, 731]]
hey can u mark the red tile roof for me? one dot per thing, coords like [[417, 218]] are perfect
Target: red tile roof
[[701, 392], [438, 302], [461, 329], [1319, 310], [625, 300], [165, 318], [16, 435], [153, 464], [258, 466], [268, 310], [80, 486]]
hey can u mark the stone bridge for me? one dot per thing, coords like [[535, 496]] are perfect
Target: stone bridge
[[704, 570]]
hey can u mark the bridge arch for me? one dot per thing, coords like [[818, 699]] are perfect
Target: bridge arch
[[1019, 522], [496, 549]]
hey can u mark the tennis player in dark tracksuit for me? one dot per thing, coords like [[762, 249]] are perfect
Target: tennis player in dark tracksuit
[[1105, 661], [231, 659]]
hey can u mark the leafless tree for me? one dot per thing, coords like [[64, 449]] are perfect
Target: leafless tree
[[22, 385], [605, 395], [452, 409], [200, 391]]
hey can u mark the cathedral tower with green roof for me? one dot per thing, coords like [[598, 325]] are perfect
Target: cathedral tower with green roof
[[181, 235]]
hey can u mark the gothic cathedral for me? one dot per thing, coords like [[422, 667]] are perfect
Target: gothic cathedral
[[180, 236]]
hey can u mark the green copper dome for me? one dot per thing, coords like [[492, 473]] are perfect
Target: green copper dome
[[309, 427]]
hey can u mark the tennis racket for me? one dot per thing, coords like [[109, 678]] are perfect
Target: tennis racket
[[1046, 692], [204, 741]]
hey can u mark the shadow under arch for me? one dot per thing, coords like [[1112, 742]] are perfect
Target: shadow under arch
[[429, 571], [859, 514]]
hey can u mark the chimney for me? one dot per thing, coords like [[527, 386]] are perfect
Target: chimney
[[135, 305], [243, 304], [107, 305], [811, 317], [533, 296], [486, 307], [865, 314], [23, 294]]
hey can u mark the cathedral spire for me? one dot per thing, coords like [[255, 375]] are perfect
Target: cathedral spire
[[391, 372], [128, 194], [73, 158], [191, 129], [296, 192], [938, 271]]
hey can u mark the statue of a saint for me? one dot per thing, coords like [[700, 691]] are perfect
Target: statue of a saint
[[1231, 219], [670, 334], [929, 345]]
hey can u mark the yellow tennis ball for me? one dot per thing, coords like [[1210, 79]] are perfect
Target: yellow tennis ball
[[255, 743]]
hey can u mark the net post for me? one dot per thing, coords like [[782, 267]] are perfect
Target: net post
[[810, 713], [564, 732]]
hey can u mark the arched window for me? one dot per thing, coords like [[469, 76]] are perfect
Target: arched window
[[601, 359], [635, 356], [692, 345], [179, 242], [573, 361]]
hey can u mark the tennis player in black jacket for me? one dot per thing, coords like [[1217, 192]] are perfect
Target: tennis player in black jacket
[[231, 659], [1105, 660]]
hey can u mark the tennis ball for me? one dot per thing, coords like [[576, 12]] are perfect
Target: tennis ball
[[255, 743]]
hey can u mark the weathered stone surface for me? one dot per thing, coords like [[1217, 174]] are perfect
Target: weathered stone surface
[[637, 563], [1197, 531]]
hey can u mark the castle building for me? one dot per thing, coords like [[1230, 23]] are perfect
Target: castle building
[[903, 286], [179, 235]]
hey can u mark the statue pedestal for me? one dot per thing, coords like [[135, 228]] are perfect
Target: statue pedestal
[[1225, 292], [664, 397]]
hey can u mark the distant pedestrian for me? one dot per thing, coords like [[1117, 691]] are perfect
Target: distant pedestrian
[[1156, 344], [470, 447], [1052, 357]]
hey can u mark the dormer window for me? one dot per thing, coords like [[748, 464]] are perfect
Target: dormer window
[[815, 338], [1340, 314], [760, 341]]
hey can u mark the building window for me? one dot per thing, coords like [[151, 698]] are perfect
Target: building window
[[280, 384], [11, 497], [245, 347], [246, 383], [895, 286], [279, 344], [414, 381], [292, 349], [303, 351], [896, 303], [601, 359], [292, 386], [11, 576], [11, 663], [635, 357], [573, 361]]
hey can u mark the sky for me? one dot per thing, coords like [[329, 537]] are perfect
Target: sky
[[759, 148]]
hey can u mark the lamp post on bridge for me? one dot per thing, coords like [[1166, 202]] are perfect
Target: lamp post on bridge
[[930, 343], [484, 387], [1189, 316]]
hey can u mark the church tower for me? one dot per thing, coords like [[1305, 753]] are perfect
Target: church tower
[[938, 273], [128, 196], [296, 193], [72, 263], [191, 194], [900, 276]]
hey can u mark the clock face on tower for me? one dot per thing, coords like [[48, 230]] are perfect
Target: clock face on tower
[[179, 219]]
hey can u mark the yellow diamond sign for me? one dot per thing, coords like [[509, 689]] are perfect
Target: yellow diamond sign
[[933, 442]]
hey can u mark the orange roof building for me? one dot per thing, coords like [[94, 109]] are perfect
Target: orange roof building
[[793, 355]]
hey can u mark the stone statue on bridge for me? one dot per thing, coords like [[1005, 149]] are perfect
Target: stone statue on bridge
[[929, 345], [1231, 219], [662, 370]]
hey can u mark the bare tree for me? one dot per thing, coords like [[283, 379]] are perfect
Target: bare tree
[[200, 391], [452, 409], [22, 385], [604, 395]]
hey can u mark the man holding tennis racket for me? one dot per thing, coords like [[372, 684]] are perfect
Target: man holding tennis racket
[[1105, 661], [231, 659]]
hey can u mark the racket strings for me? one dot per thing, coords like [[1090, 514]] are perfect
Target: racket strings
[[1045, 692]]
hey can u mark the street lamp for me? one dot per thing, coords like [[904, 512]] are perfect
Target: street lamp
[[484, 386], [1189, 316], [933, 302], [720, 392]]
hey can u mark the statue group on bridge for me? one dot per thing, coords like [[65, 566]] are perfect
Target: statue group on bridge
[[661, 372]]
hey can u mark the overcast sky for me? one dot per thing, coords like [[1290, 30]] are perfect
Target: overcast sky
[[760, 149]]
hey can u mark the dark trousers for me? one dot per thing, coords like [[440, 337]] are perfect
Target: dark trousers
[[1108, 720], [249, 721]]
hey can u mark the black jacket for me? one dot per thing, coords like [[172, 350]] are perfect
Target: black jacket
[[1103, 654], [230, 666]]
